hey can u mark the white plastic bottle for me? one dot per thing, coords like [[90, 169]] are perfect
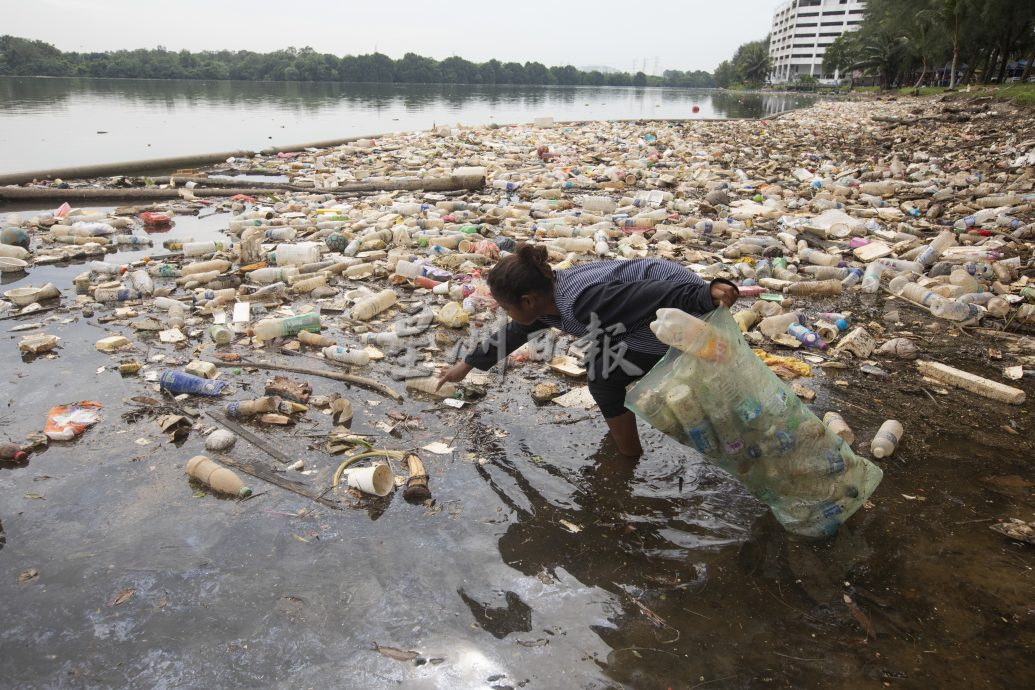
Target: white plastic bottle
[[141, 281], [203, 248], [599, 205], [296, 254], [220, 265], [270, 275], [352, 357], [886, 439], [814, 256], [939, 244], [369, 307], [954, 310], [582, 245], [839, 427], [690, 334]]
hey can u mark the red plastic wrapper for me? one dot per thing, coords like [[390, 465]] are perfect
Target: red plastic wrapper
[[155, 219]]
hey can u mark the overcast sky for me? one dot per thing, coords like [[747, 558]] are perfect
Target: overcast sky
[[680, 34]]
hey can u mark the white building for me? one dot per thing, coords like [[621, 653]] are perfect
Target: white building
[[802, 30]]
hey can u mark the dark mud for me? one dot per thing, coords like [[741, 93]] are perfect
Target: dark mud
[[675, 576]]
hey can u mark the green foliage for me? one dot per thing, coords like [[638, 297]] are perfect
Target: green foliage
[[725, 74], [751, 62], [19, 56], [904, 42], [750, 65]]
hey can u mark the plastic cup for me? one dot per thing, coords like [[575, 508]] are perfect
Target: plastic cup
[[376, 479]]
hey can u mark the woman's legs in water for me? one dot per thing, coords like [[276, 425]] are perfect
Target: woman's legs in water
[[608, 389], [624, 432]]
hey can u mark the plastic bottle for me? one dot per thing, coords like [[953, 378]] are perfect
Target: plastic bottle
[[933, 251], [409, 269], [304, 287], [359, 270], [202, 248], [886, 439], [115, 294], [839, 427], [954, 310], [12, 452], [218, 265], [428, 385], [216, 477], [239, 409], [177, 382], [281, 234], [104, 268], [853, 277], [369, 307], [814, 256], [314, 339], [805, 336], [822, 272], [142, 282], [582, 245], [267, 329], [132, 241], [267, 276], [837, 319], [176, 316], [296, 254], [815, 287], [220, 334], [599, 205], [690, 334], [344, 355]]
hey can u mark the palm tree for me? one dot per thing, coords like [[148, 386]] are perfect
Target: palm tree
[[752, 62], [882, 52]]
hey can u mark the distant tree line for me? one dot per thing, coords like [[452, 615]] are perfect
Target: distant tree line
[[939, 42], [19, 56]]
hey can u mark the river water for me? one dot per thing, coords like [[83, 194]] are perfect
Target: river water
[[54, 122]]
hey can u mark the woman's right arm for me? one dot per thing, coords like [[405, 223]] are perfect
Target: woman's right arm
[[487, 354]]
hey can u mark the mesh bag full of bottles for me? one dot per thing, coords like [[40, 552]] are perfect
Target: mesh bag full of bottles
[[713, 394]]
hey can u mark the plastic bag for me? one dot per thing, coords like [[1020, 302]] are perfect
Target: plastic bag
[[65, 422], [719, 398]]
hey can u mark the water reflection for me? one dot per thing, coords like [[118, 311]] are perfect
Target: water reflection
[[52, 122], [38, 94]]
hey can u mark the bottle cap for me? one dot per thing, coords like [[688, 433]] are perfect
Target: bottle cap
[[20, 456], [245, 492]]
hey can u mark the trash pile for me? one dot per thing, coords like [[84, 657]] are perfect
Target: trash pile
[[815, 215]]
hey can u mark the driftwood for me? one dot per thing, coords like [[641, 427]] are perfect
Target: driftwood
[[230, 188], [251, 438], [361, 381], [266, 474]]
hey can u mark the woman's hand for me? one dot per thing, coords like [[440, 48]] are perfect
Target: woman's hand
[[454, 374], [724, 293]]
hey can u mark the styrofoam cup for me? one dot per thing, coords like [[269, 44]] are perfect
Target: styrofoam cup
[[376, 479]]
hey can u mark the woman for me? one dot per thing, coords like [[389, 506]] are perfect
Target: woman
[[618, 299]]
